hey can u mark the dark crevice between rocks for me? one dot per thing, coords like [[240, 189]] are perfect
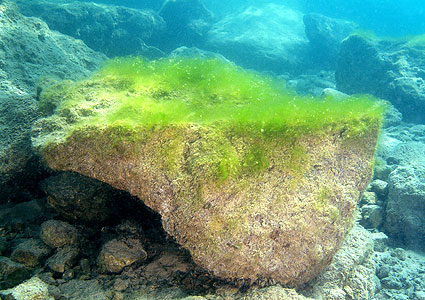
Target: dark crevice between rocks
[[166, 263]]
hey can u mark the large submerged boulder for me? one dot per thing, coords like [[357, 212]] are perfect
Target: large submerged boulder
[[390, 69], [254, 181], [269, 38]]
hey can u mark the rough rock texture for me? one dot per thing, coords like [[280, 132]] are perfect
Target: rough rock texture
[[325, 35], [267, 38], [351, 274], [11, 273], [78, 198], [29, 51], [405, 209], [393, 70], [401, 274], [57, 233], [118, 254], [32, 289], [402, 150], [236, 221], [113, 30], [273, 293], [30, 252], [83, 289], [17, 113], [284, 220], [64, 259], [187, 23]]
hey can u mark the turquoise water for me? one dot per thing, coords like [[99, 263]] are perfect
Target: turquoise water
[[316, 49]]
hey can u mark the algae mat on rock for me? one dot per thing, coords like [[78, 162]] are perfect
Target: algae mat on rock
[[254, 181]]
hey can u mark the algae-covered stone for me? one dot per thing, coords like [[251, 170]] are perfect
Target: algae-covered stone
[[254, 181]]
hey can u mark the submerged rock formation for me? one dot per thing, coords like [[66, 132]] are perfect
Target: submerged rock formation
[[325, 35], [253, 181], [390, 69], [268, 38], [113, 30], [29, 52]]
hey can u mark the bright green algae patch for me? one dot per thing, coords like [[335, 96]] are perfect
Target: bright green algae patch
[[211, 91], [130, 94]]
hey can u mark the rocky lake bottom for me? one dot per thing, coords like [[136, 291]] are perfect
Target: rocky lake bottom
[[66, 236]]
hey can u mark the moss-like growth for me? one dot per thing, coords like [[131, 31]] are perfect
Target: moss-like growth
[[134, 93], [252, 179]]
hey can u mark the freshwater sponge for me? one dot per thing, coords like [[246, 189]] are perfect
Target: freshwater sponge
[[255, 181]]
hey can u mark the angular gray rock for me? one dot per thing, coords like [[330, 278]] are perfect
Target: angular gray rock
[[55, 233], [372, 216], [405, 209], [380, 187], [389, 69], [113, 30], [268, 38], [30, 252], [325, 35], [79, 198]]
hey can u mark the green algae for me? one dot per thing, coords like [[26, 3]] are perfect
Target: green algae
[[132, 97]]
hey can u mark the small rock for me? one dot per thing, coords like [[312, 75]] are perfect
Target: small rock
[[120, 285], [382, 171], [380, 187], [30, 252], [117, 254], [399, 253], [68, 275], [391, 283], [57, 233], [167, 264], [372, 216], [380, 240], [63, 259], [11, 273], [85, 265], [32, 289], [368, 198]]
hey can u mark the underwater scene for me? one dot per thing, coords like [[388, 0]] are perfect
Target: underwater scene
[[212, 150]]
